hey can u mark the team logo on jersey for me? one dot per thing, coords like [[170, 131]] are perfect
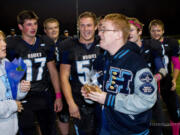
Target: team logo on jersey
[[147, 88], [42, 44], [146, 77]]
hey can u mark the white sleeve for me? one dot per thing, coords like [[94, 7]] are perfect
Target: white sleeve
[[143, 98], [20, 94], [7, 108]]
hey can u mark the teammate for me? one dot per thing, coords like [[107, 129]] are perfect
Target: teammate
[[150, 50], [51, 28], [129, 89], [170, 50], [38, 55], [77, 57]]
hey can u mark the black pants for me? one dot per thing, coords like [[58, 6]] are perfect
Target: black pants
[[170, 98], [87, 124], [156, 127], [39, 107]]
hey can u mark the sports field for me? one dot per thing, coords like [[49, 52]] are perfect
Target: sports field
[[178, 86]]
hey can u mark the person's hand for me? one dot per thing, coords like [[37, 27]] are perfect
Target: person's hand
[[173, 88], [96, 96], [25, 86], [58, 105], [84, 92], [158, 77], [74, 111], [19, 106]]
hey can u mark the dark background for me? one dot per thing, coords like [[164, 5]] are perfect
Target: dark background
[[66, 12]]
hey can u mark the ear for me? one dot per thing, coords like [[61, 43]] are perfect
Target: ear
[[20, 27], [163, 32], [140, 32]]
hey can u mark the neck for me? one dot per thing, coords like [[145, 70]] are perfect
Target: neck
[[29, 40], [161, 39], [55, 40], [116, 46], [139, 42], [86, 42]]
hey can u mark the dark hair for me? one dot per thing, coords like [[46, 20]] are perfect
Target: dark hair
[[26, 14]]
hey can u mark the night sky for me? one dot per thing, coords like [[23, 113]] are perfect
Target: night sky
[[65, 11]]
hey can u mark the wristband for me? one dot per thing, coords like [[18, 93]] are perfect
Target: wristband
[[58, 95], [158, 76]]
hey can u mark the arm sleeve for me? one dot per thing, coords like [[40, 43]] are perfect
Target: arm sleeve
[[176, 62], [7, 108], [65, 52], [158, 63], [143, 98], [175, 47]]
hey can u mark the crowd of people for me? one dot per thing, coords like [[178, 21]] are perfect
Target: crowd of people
[[105, 81]]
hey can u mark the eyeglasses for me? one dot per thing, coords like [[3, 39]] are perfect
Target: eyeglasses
[[103, 30]]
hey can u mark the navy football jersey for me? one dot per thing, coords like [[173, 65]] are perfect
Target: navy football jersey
[[36, 58], [80, 58], [151, 51], [170, 47], [57, 48]]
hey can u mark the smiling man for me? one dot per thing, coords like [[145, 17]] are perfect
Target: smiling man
[[76, 61], [52, 30]]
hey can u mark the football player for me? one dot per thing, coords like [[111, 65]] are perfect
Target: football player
[[51, 28], [151, 51], [76, 61], [38, 54], [170, 50]]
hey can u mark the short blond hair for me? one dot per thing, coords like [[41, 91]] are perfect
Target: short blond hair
[[50, 20], [120, 22]]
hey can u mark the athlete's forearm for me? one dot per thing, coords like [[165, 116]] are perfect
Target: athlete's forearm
[[66, 88], [54, 77], [55, 82], [175, 74], [65, 70]]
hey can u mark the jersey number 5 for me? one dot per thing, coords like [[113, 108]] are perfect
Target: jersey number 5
[[83, 70]]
